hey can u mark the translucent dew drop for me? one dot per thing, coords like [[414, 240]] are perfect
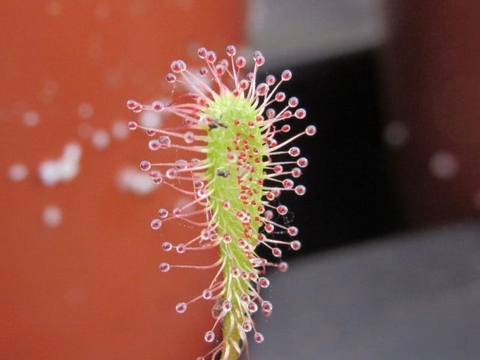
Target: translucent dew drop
[[252, 307], [270, 80], [189, 137], [292, 231], [227, 305], [311, 130], [172, 173], [267, 306], [286, 75], [165, 142], [132, 125], [209, 336], [156, 224], [158, 106], [264, 282], [270, 113], [207, 294], [231, 50], [145, 165], [181, 307], [181, 164], [296, 172], [276, 252], [247, 326], [132, 104], [302, 162], [280, 96], [211, 57], [163, 213], [262, 89], [293, 102], [296, 245], [294, 151], [300, 190], [258, 337], [154, 145], [300, 113], [259, 60], [177, 211], [282, 209], [155, 175], [202, 52], [178, 66], [164, 267], [240, 62], [166, 246], [287, 184], [181, 248]]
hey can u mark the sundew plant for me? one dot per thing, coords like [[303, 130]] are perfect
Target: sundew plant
[[237, 171]]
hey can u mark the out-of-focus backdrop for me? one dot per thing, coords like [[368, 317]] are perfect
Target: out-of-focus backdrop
[[393, 88], [390, 224], [78, 259]]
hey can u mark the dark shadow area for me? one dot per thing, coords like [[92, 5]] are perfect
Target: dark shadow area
[[350, 194]]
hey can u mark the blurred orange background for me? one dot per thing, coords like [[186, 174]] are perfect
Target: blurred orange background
[[79, 261]]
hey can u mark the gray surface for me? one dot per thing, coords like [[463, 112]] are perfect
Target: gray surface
[[294, 32], [411, 297]]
